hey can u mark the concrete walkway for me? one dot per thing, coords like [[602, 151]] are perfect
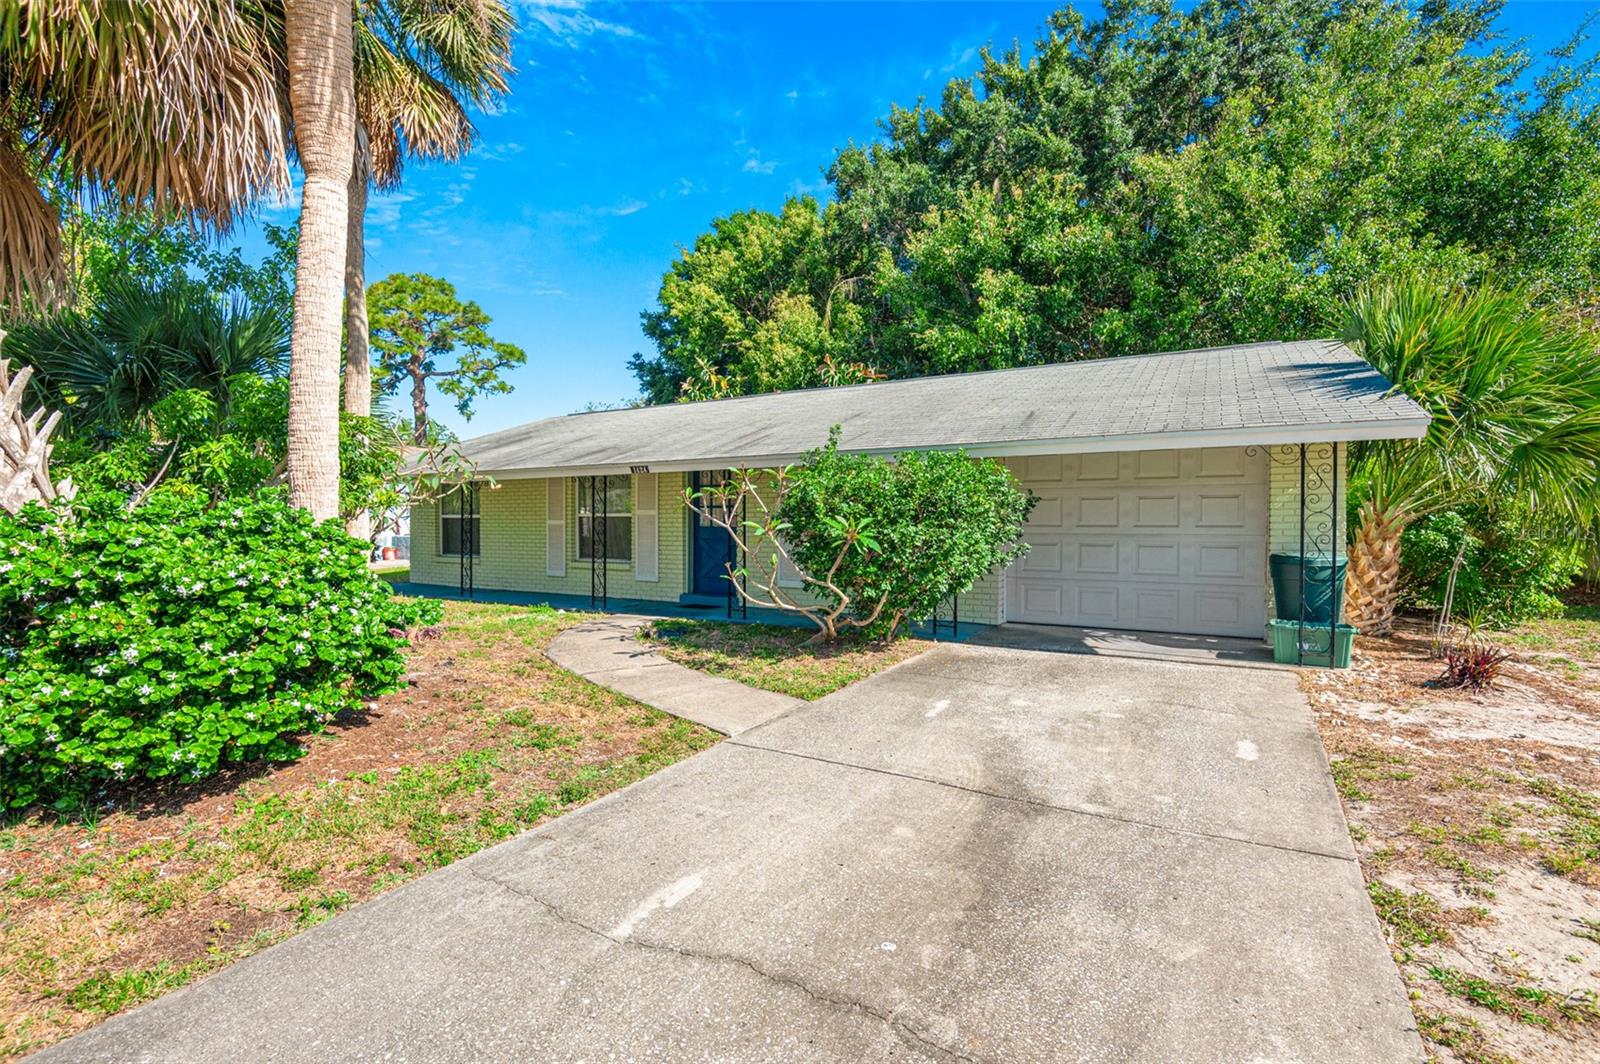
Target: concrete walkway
[[982, 854], [610, 654]]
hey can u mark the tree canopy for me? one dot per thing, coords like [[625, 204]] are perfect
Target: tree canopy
[[1154, 180], [422, 331]]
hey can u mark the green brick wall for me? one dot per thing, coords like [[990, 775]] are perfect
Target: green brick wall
[[511, 556]]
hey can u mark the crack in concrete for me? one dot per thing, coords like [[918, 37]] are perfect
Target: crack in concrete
[[1037, 803], [903, 1030]]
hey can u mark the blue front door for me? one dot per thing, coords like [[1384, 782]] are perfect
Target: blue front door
[[713, 547]]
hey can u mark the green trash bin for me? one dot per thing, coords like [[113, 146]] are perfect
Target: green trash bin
[[1286, 587], [1293, 646]]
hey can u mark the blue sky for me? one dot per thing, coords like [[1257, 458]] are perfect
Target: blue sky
[[631, 126]]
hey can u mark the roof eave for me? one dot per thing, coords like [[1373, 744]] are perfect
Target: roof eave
[[1259, 436]]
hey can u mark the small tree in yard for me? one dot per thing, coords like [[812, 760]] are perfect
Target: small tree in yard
[[418, 326], [876, 543]]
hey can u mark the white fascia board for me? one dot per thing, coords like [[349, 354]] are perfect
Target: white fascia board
[[1264, 436]]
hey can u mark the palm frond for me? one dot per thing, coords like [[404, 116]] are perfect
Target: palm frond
[[171, 105], [417, 64], [30, 233], [1513, 391]]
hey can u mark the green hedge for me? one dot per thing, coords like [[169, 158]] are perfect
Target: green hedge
[[173, 640], [1509, 573]]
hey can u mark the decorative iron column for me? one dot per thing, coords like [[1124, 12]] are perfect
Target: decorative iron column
[[468, 493]]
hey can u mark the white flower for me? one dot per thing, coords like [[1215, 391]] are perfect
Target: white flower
[[144, 690], [130, 653]]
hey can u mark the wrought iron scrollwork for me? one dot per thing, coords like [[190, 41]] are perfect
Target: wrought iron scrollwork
[[599, 548], [1318, 467], [469, 538]]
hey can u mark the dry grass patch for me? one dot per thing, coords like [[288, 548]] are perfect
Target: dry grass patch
[[1477, 820], [774, 657], [147, 891]]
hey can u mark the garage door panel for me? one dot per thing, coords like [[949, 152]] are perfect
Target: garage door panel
[[1045, 467], [1098, 557], [1098, 511], [1041, 599], [1154, 559], [1047, 513], [1098, 604], [1093, 467], [1221, 509], [1220, 462], [1223, 609], [1156, 465], [1155, 511], [1222, 561], [1154, 607], [1044, 557], [1161, 540]]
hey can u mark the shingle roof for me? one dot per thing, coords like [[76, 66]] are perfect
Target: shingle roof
[[1299, 392]]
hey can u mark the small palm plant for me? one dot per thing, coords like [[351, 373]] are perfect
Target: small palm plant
[[1514, 394]]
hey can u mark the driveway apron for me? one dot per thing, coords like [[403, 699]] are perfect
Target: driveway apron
[[980, 854]]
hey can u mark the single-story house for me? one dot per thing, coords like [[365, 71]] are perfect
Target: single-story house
[[1164, 481]]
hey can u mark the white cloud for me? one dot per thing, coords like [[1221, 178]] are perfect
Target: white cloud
[[755, 165], [569, 21], [497, 152], [961, 61], [385, 210], [625, 208]]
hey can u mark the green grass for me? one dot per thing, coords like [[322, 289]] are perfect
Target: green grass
[[1462, 1035], [774, 657], [1366, 765], [505, 739], [1412, 919], [1531, 1005], [1568, 640]]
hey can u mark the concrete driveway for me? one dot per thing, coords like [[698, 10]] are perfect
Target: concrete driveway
[[982, 854]]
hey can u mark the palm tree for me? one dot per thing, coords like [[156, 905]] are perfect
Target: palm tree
[[319, 45], [417, 64], [167, 104], [1514, 393], [106, 368]]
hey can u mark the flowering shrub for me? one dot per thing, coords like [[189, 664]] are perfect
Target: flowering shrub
[[170, 641]]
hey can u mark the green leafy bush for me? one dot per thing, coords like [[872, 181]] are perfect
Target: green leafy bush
[[172, 640], [1509, 572], [927, 525]]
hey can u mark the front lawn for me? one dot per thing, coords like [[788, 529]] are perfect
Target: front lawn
[[1476, 817], [150, 890], [774, 657]]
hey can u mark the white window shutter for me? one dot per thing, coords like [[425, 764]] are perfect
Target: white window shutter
[[646, 527], [555, 527], [788, 573]]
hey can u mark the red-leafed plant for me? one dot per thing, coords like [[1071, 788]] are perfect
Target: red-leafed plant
[[1473, 665]]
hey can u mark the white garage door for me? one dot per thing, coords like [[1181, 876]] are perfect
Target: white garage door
[[1167, 541]]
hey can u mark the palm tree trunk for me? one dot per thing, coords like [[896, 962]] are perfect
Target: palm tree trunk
[[1372, 584], [357, 361], [318, 35]]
